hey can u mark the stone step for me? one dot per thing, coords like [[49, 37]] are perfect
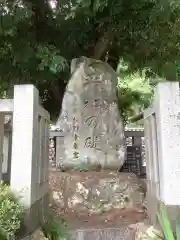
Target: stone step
[[123, 233], [138, 231]]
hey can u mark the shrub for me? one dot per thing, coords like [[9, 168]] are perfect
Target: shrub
[[11, 213], [55, 229]]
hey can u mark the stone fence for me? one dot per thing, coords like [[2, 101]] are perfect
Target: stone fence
[[135, 150], [25, 158], [162, 144], [24, 145]]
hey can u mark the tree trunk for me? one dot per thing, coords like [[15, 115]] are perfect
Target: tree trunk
[[53, 103]]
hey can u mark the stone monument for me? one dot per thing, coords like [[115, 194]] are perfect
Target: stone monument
[[90, 119]]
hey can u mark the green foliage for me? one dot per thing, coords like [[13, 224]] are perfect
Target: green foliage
[[11, 212], [37, 42], [178, 227], [50, 59], [134, 91], [166, 226], [142, 28], [82, 168], [3, 234], [54, 229]]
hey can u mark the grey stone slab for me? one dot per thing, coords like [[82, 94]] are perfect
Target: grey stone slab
[[123, 233]]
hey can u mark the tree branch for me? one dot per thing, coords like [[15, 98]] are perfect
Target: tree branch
[[136, 118]]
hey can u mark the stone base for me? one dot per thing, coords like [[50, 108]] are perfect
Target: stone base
[[98, 205], [96, 192]]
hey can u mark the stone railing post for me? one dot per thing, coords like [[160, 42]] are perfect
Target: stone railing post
[[162, 133], [24, 142], [168, 133], [1, 142]]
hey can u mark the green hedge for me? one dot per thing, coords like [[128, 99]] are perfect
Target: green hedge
[[11, 213]]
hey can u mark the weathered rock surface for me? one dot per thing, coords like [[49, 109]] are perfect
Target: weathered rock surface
[[90, 119], [96, 192], [144, 231]]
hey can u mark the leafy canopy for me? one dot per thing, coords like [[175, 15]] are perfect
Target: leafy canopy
[[38, 39]]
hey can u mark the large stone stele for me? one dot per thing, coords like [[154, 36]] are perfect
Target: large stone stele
[[90, 119]]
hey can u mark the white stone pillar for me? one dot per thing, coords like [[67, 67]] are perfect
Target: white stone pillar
[[25, 143], [5, 153], [41, 126], [1, 142], [46, 153], [148, 143], [60, 151], [167, 103]]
